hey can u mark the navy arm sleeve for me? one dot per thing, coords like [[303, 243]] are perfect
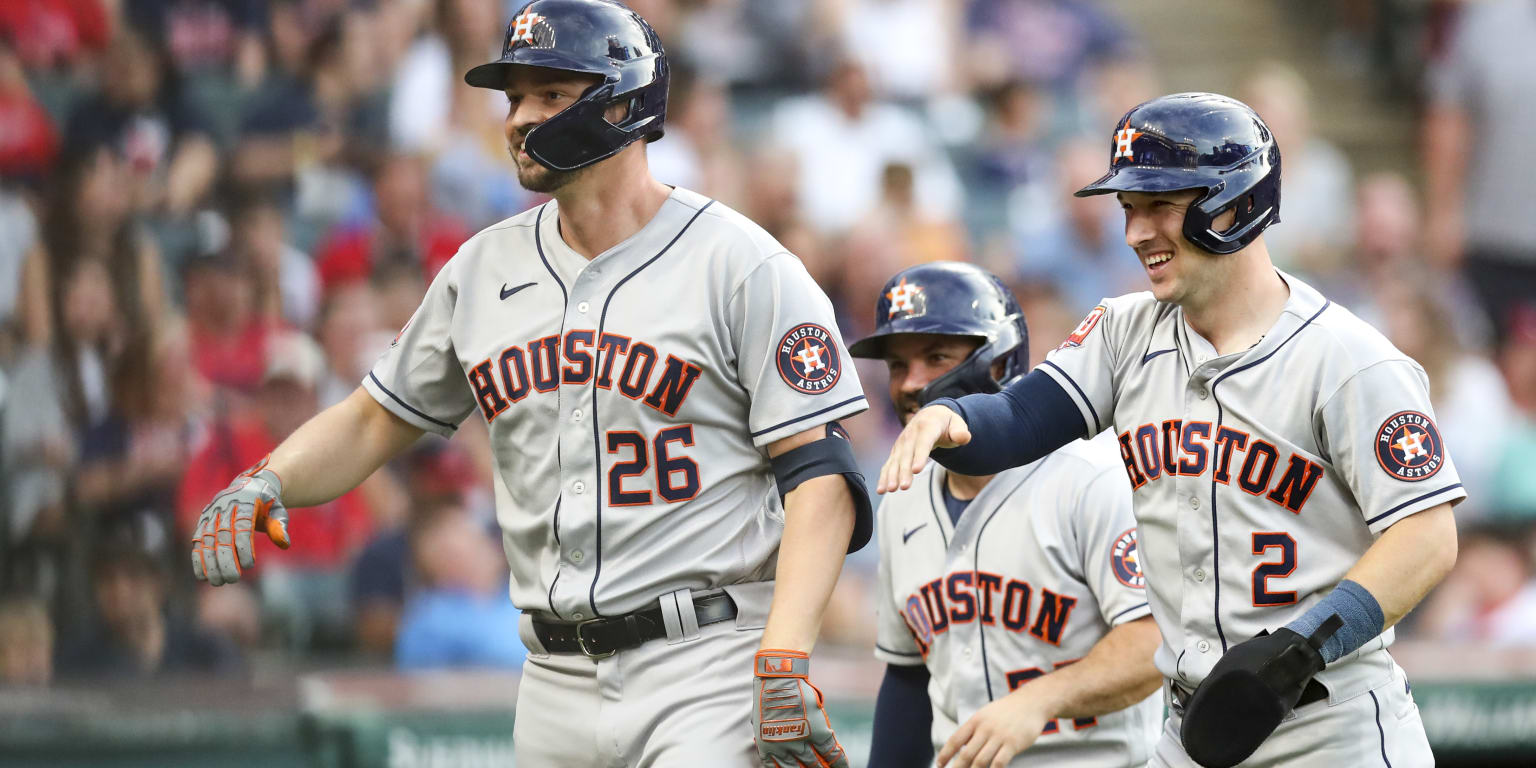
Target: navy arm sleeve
[[1030, 418], [903, 720]]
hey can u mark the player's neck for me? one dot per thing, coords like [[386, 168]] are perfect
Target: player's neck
[[605, 206], [966, 487], [1244, 307]]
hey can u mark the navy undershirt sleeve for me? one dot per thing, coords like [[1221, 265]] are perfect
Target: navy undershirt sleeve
[[903, 720], [1030, 418]]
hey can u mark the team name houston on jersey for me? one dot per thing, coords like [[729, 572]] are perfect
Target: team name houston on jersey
[[1180, 449], [513, 374]]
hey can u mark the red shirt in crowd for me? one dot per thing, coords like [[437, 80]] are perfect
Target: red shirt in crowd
[[323, 537]]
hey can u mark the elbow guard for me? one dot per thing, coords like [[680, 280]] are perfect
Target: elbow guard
[[832, 455]]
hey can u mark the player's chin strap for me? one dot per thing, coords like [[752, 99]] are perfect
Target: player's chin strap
[[832, 455]]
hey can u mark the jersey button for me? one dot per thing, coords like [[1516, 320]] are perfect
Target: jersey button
[[579, 487], [1194, 502], [576, 415], [1203, 646], [576, 556], [1200, 574], [1203, 394], [582, 307], [578, 615], [967, 652]]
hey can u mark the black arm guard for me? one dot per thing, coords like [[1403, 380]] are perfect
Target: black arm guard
[[1249, 691], [832, 455]]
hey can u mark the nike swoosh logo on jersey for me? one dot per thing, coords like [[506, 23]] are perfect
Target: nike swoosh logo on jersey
[[908, 534], [505, 291]]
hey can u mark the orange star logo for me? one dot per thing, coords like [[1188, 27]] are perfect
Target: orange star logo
[[522, 26], [900, 296], [1124, 138]]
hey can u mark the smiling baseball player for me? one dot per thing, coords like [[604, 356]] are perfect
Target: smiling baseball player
[[1012, 612], [660, 379], [1292, 492]]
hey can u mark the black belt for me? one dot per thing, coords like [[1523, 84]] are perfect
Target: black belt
[[1314, 692], [601, 638]]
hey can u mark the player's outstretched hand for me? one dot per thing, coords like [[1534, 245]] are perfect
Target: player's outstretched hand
[[222, 545], [995, 734], [789, 719], [933, 427]]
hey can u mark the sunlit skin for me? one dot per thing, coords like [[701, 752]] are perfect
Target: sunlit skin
[[914, 360], [1154, 229], [535, 94]]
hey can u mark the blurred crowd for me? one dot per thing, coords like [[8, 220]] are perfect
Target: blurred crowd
[[215, 214]]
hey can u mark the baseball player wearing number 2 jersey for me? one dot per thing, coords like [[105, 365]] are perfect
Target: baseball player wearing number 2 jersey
[[1012, 613], [1292, 493], [660, 379]]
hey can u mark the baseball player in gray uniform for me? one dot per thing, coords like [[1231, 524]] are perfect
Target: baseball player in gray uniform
[[1292, 492], [661, 381], [1012, 611]]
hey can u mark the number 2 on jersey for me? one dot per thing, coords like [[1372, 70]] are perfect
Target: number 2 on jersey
[[677, 477], [1273, 569]]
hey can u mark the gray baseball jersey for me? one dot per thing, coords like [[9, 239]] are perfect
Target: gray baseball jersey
[[1260, 477], [629, 398], [1042, 563]]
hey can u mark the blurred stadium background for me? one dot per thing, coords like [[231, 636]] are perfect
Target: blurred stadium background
[[214, 214]]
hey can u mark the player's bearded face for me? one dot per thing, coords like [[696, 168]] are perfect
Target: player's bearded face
[[533, 175], [914, 360]]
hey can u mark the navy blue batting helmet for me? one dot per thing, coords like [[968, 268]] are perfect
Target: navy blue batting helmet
[[1199, 141], [594, 37], [952, 298]]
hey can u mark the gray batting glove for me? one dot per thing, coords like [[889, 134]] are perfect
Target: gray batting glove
[[789, 720], [221, 545]]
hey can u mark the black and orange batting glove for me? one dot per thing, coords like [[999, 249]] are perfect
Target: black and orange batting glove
[[789, 720], [222, 545]]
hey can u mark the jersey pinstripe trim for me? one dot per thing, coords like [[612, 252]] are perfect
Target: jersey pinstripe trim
[[597, 448], [1215, 518], [1097, 425], [810, 415], [986, 666], [1412, 502], [408, 406], [1117, 616]]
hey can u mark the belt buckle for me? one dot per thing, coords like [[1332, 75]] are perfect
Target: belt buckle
[[581, 641]]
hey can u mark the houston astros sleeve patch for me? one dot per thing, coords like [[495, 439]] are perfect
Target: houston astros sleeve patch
[[808, 359], [1408, 446]]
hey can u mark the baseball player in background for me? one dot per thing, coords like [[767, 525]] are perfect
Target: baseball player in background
[[661, 381], [1292, 493], [1024, 582]]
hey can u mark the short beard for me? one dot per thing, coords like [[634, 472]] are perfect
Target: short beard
[[541, 178]]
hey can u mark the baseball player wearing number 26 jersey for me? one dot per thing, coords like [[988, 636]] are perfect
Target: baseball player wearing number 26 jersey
[[1012, 612], [1292, 492], [660, 381]]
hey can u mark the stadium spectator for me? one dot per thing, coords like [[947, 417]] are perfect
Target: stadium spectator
[[1075, 245], [1514, 484], [353, 335], [286, 281], [205, 36], [1471, 400], [460, 615], [1489, 599], [1317, 186], [133, 637], [405, 231], [1052, 43], [1478, 155], [28, 141], [26, 642], [1010, 152], [87, 217], [152, 123], [131, 461], [303, 589], [927, 32], [229, 332], [842, 140], [56, 34]]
